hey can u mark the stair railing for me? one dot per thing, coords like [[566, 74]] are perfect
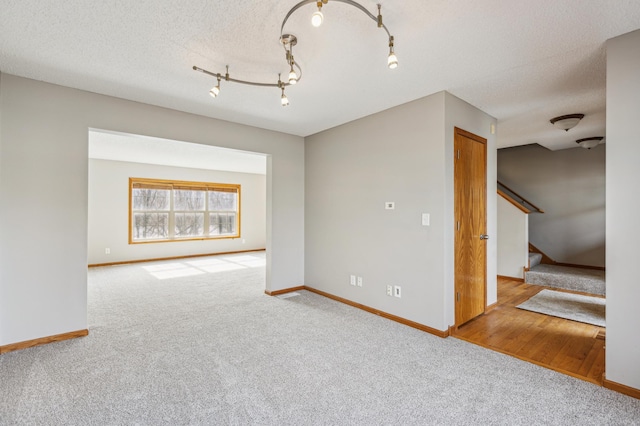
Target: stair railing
[[511, 195], [517, 199]]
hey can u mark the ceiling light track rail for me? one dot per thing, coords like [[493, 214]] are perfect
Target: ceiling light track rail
[[226, 77], [289, 40], [377, 19]]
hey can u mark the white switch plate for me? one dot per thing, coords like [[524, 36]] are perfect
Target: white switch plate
[[425, 219], [359, 281], [107, 251], [389, 205], [389, 290], [397, 291], [352, 280]]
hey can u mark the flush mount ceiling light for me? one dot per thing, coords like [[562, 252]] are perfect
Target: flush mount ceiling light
[[566, 122], [288, 41], [589, 143]]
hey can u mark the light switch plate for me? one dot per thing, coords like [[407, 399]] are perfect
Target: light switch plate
[[389, 205], [426, 217]]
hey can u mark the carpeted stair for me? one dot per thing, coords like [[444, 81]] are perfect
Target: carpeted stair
[[568, 278]]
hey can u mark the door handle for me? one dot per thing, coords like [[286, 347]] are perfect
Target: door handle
[[484, 237]]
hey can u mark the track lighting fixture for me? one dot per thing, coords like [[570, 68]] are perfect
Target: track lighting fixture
[[289, 40]]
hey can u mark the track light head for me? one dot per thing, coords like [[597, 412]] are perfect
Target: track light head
[[293, 77], [283, 99], [392, 59], [317, 17], [215, 91]]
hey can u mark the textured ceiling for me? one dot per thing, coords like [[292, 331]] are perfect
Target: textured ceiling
[[521, 61]]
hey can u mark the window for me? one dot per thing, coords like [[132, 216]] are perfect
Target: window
[[163, 210]]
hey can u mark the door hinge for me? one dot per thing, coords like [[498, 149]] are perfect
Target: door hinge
[[458, 155], [458, 225], [457, 296]]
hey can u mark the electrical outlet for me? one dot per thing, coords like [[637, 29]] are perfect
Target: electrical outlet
[[359, 281], [397, 291], [107, 251], [352, 280], [389, 290], [389, 205]]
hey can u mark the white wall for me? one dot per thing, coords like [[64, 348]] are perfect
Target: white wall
[[44, 180], [404, 155], [109, 204], [513, 239], [569, 185], [622, 225]]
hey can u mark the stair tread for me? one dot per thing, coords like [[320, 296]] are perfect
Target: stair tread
[[567, 270], [567, 277]]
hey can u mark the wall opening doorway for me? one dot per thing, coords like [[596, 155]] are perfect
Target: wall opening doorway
[[116, 157], [572, 231]]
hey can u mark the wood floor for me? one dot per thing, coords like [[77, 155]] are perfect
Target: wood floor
[[566, 346]]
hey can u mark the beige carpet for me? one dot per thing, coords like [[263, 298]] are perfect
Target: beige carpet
[[575, 307], [197, 342]]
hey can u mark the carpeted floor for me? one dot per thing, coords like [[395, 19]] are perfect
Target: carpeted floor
[[198, 342], [568, 278], [575, 307]]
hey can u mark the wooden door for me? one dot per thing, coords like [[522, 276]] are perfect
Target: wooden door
[[470, 196]]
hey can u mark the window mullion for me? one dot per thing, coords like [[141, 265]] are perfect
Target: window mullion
[[206, 213], [172, 217]]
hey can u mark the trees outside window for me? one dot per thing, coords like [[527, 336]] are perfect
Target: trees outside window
[[150, 213], [223, 206]]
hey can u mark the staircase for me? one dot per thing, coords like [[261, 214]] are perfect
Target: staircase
[[541, 269]]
